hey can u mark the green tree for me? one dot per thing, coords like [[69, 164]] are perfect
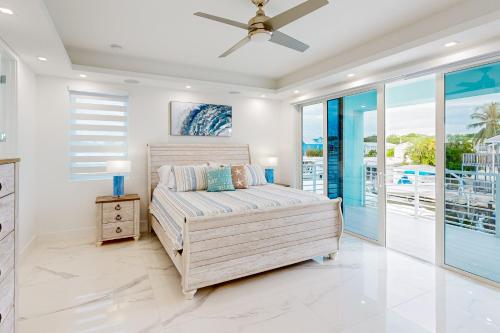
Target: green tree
[[456, 146], [371, 138], [487, 119], [390, 152], [371, 153], [394, 139], [314, 152], [423, 151]]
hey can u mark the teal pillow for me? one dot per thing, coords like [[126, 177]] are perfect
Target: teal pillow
[[219, 179]]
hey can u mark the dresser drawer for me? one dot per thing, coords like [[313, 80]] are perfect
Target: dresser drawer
[[7, 323], [6, 215], [6, 255], [117, 211], [6, 296], [6, 179], [118, 230]]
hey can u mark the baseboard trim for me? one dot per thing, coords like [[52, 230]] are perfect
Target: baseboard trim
[[28, 248], [81, 234]]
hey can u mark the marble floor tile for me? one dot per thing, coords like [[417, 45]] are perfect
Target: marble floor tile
[[134, 287]]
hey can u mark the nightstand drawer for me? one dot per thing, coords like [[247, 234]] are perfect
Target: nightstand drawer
[[6, 297], [118, 212], [6, 215], [6, 179], [6, 255], [118, 230]]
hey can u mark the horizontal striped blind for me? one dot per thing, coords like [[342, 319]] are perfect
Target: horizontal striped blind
[[98, 133]]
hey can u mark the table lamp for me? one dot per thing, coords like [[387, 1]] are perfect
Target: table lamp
[[270, 163], [118, 168]]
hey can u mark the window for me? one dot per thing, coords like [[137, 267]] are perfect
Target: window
[[98, 133]]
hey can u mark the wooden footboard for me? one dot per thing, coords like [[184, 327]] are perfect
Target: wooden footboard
[[223, 248]]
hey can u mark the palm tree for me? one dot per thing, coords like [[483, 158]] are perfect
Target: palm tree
[[488, 120]]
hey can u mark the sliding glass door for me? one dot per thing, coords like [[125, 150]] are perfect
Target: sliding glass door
[[353, 159], [312, 148], [472, 174], [410, 135]]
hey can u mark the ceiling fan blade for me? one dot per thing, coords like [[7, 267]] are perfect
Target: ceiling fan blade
[[235, 47], [295, 13], [222, 20], [287, 41]]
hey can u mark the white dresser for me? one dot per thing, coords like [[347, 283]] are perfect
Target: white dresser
[[8, 237]]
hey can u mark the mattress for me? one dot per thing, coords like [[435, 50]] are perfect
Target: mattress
[[172, 208]]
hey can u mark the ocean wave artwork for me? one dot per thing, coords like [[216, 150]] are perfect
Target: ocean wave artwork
[[200, 119]]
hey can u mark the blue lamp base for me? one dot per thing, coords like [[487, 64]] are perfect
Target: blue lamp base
[[270, 175], [118, 186]]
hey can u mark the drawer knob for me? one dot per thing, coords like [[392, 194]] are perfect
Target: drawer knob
[[118, 230], [118, 217], [118, 207], [0, 227], [0, 318], [0, 186]]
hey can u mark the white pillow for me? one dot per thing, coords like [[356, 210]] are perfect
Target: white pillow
[[165, 173], [255, 175]]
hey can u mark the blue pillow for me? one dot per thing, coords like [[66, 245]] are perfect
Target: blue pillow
[[219, 179]]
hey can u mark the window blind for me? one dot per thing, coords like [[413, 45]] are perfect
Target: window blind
[[98, 133]]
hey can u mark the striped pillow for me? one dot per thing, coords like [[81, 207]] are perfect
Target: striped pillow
[[255, 175], [190, 178]]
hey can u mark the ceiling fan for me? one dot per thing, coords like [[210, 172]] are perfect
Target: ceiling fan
[[262, 28]]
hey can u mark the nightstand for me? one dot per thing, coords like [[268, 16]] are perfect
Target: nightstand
[[117, 217]]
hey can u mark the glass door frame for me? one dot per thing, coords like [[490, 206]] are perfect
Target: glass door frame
[[440, 161], [380, 89]]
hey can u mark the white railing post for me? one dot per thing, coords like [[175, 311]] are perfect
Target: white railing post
[[497, 204], [314, 176], [417, 195]]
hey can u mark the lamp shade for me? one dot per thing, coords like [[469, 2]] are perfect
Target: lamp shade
[[118, 166], [271, 161]]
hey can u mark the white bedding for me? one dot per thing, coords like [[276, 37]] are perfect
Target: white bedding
[[172, 208]]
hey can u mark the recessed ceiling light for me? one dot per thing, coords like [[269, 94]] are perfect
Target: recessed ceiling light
[[42, 58], [188, 87], [235, 92], [450, 44], [296, 91], [351, 75], [83, 76], [6, 11], [263, 96], [131, 81]]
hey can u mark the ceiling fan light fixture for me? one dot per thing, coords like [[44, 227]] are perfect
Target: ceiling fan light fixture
[[260, 36]]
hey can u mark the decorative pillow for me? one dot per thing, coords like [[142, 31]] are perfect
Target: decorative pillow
[[255, 175], [239, 176], [190, 178], [219, 179]]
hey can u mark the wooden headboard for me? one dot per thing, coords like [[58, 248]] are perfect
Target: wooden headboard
[[192, 154]]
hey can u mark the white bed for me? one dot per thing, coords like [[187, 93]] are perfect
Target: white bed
[[217, 237]]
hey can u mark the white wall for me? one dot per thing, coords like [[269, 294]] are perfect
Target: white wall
[[69, 206], [26, 150]]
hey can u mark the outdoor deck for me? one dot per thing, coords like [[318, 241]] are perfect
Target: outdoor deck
[[471, 250]]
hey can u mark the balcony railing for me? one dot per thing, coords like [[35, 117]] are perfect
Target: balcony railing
[[312, 174]]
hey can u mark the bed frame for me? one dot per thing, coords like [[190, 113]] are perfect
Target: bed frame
[[222, 248]]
